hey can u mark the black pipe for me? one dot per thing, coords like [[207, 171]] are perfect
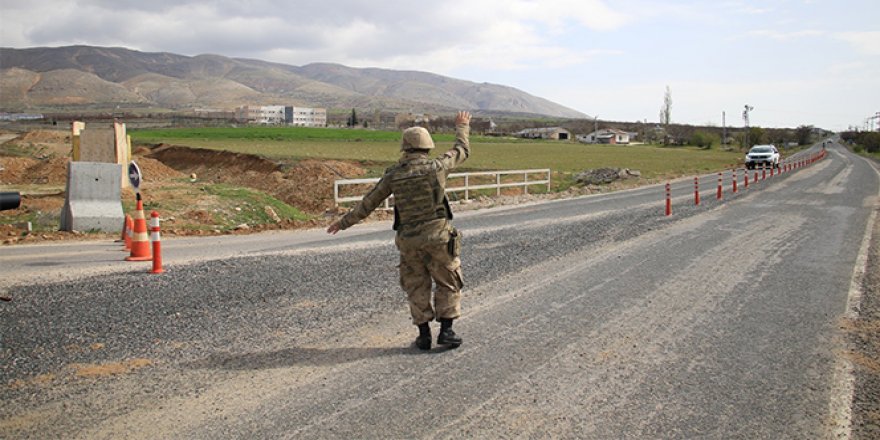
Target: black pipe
[[9, 200]]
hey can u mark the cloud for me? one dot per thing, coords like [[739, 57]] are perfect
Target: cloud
[[786, 36], [865, 42], [508, 34], [739, 7]]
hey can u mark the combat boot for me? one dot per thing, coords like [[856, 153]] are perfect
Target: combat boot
[[423, 341], [448, 337]]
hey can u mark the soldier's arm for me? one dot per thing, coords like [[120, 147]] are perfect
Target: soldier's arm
[[370, 202], [462, 148]]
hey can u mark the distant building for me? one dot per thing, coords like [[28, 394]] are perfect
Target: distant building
[[307, 116], [554, 133], [409, 119], [272, 115], [247, 114], [606, 136], [483, 126], [213, 113], [441, 123], [282, 115]]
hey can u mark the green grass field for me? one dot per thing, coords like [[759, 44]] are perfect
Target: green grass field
[[381, 148]]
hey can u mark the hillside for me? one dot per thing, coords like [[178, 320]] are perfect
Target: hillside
[[96, 76]]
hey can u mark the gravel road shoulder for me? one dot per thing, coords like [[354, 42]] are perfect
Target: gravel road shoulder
[[864, 338]]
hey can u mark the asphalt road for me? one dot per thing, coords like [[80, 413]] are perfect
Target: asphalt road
[[598, 317]]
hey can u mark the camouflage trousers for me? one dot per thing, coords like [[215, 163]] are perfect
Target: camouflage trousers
[[429, 259]]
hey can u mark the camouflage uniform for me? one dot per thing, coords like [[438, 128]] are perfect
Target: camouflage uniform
[[429, 245]]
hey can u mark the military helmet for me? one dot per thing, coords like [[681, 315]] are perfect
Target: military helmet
[[416, 138]]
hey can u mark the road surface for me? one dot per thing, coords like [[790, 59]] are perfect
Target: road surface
[[598, 317]]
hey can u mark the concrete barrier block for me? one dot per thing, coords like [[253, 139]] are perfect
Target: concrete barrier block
[[93, 200]]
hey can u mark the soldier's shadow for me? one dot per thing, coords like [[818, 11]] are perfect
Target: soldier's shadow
[[295, 356]]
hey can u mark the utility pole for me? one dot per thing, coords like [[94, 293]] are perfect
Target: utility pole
[[746, 121], [596, 129], [870, 122]]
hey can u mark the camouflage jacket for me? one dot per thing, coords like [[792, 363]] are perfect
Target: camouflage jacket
[[442, 164]]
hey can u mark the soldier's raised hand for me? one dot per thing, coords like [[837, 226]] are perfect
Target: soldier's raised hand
[[463, 118]]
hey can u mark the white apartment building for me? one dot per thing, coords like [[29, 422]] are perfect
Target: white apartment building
[[282, 115], [309, 117], [272, 115]]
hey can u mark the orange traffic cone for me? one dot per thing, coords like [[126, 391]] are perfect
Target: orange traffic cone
[[126, 232], [140, 242]]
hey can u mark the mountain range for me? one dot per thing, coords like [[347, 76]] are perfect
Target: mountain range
[[89, 76]]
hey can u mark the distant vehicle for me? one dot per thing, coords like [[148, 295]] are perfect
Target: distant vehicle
[[762, 155]]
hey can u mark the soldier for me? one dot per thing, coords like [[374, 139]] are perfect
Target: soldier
[[429, 245]]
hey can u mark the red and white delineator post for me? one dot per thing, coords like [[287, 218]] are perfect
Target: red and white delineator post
[[157, 245]]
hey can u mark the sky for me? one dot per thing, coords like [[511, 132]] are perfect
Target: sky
[[795, 62]]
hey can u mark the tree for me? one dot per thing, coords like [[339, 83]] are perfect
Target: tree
[[666, 115], [871, 141], [666, 110], [703, 139], [353, 119], [804, 134], [754, 136], [865, 140]]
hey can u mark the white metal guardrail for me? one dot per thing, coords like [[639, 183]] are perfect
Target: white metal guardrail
[[465, 187]]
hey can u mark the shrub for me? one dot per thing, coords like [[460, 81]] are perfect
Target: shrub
[[866, 140], [870, 140], [703, 139]]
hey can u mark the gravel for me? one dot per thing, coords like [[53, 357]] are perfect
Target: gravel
[[231, 303], [194, 311], [864, 338]]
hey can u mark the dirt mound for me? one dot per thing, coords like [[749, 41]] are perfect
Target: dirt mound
[[28, 171], [307, 185], [52, 171], [46, 136], [12, 169], [153, 170], [211, 164], [41, 144]]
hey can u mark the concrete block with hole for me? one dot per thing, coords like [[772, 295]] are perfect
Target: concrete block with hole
[[93, 201]]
